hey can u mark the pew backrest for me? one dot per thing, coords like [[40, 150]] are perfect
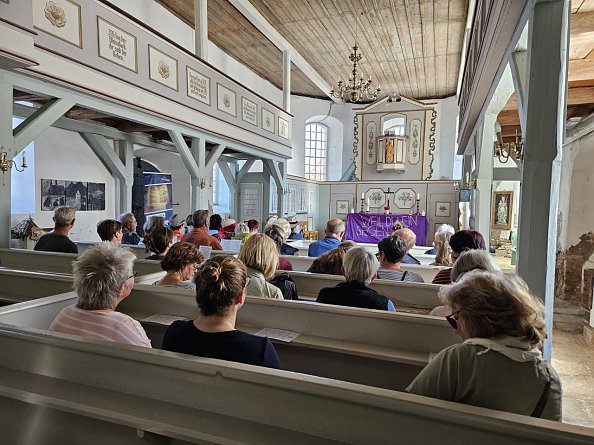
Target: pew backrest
[[162, 397], [21, 285]]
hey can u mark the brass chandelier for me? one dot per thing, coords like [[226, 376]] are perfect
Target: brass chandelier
[[355, 90]]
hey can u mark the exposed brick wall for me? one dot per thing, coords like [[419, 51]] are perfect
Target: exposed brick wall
[[569, 270]]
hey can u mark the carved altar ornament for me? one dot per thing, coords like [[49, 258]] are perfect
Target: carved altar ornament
[[55, 14], [226, 101], [391, 153], [370, 148], [164, 69]]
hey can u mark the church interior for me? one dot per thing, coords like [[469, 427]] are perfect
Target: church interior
[[477, 114]]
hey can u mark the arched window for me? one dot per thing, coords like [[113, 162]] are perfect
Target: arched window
[[316, 151]]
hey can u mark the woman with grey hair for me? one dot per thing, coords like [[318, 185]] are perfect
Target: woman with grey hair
[[359, 268], [103, 277], [467, 261]]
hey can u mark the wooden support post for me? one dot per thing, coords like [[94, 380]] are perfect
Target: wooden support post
[[287, 81], [548, 40], [7, 141], [126, 155], [201, 29]]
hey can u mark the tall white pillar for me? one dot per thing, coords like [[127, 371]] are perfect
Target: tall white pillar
[[484, 182], [126, 154], [7, 141], [545, 128], [201, 29]]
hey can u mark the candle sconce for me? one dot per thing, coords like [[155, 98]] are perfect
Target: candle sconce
[[6, 164]]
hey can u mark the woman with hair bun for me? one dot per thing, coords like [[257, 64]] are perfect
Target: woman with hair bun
[[220, 293]]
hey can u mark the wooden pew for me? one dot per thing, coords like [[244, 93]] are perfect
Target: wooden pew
[[375, 348], [303, 263], [120, 394], [20, 285], [54, 262]]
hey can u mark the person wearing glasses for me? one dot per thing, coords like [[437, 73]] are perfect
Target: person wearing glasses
[[499, 364], [103, 277], [180, 264], [220, 293]]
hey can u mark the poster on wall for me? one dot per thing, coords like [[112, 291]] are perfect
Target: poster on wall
[[158, 195], [95, 196], [53, 193], [76, 194]]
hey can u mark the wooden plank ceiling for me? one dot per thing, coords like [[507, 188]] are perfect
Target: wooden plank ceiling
[[409, 47], [580, 93]]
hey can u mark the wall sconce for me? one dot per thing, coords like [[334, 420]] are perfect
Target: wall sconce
[[6, 165], [203, 183], [456, 187], [503, 151]]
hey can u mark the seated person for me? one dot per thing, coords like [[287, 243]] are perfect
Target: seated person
[[215, 226], [334, 233], [198, 235], [295, 230], [180, 263], [110, 230], [499, 364], [129, 225], [260, 256], [330, 263], [411, 238], [176, 224], [274, 233], [242, 232], [152, 223], [228, 229], [460, 242], [284, 229], [220, 293], [103, 277], [391, 251], [158, 242], [442, 228], [254, 226], [57, 240], [467, 261], [443, 252], [360, 267]]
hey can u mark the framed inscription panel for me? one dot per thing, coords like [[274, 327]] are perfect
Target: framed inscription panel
[[60, 18], [226, 100], [249, 111], [162, 68], [198, 85], [283, 128], [116, 45], [267, 120]]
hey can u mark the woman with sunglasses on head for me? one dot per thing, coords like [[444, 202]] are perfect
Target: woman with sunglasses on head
[[220, 293], [103, 276], [180, 263], [499, 364]]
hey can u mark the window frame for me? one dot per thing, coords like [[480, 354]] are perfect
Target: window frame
[[316, 151]]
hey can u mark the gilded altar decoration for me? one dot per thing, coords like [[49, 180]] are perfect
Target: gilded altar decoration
[[164, 69], [55, 14], [391, 153]]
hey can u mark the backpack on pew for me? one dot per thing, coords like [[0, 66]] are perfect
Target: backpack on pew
[[287, 286]]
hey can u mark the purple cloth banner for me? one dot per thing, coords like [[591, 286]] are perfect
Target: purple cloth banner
[[372, 227]]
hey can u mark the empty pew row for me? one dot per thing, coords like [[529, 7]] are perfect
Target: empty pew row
[[303, 263], [20, 285], [120, 394], [357, 345]]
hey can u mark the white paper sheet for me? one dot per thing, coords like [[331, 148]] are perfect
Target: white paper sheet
[[163, 319], [278, 334], [206, 251]]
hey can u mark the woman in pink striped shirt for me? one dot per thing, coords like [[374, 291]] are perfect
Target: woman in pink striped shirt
[[103, 277]]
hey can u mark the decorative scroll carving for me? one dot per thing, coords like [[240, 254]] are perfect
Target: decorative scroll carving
[[55, 14], [355, 148], [370, 146], [416, 142], [431, 144]]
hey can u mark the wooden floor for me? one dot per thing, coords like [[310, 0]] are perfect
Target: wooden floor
[[573, 359]]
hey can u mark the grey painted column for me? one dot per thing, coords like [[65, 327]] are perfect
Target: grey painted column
[[484, 181], [545, 127], [8, 142], [287, 81], [126, 155], [201, 29], [198, 150]]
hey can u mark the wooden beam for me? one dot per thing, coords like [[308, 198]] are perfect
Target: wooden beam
[[213, 156], [106, 153]]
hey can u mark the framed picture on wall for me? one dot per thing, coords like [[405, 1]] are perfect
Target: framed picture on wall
[[342, 206], [442, 209], [501, 210]]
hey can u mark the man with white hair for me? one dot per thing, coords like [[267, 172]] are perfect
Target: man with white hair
[[334, 233], [411, 238], [57, 240]]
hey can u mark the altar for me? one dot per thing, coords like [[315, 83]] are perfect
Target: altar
[[372, 227]]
